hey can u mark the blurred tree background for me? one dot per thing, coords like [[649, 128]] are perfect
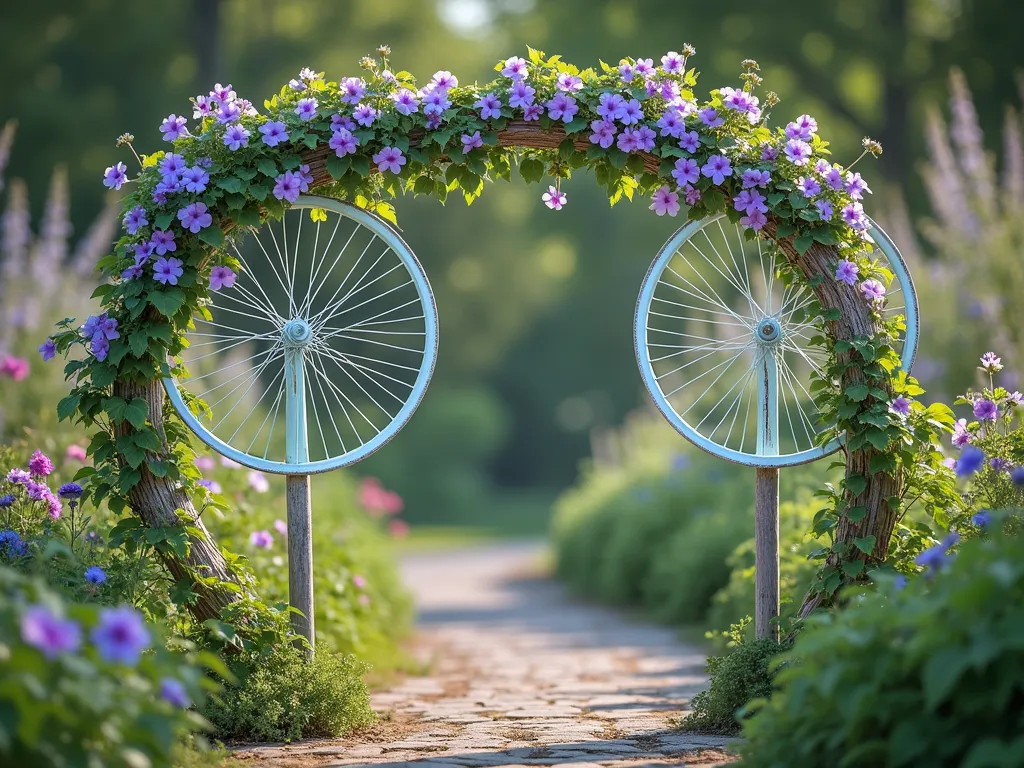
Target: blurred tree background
[[536, 307]]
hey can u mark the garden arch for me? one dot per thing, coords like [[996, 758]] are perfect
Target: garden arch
[[345, 140]]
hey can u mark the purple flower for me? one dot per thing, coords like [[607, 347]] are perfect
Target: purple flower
[[389, 159], [692, 195], [229, 113], [115, 176], [163, 241], [167, 270], [274, 133], [611, 106], [195, 217], [281, 527], [798, 151], [961, 435], [222, 94], [754, 220], [690, 141], [143, 251], [173, 128], [286, 186], [236, 137], [343, 143], [754, 178], [803, 128], [984, 410], [644, 67], [709, 116], [769, 154], [554, 198], [533, 112], [686, 171], [342, 121], [856, 186], [101, 326], [821, 166], [991, 363], [717, 168], [95, 575], [1017, 476], [749, 201], [665, 201], [405, 101], [562, 106], [672, 124], [48, 633], [603, 133], [211, 485], [11, 545], [515, 68], [853, 215], [306, 109], [261, 539], [54, 506], [352, 90], [203, 107], [834, 178], [847, 272], [999, 464], [443, 80], [222, 277], [18, 477], [626, 72], [872, 290], [982, 518], [173, 692], [469, 143], [900, 582], [568, 83], [628, 141], [70, 491], [99, 348], [257, 481], [632, 112], [672, 62], [37, 491], [434, 121], [489, 106], [121, 635], [809, 186], [365, 115], [48, 349], [435, 102], [670, 91], [40, 464], [900, 405], [134, 219], [933, 558], [971, 460], [824, 209], [645, 137]]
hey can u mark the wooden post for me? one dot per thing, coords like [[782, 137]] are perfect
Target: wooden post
[[300, 557], [766, 548]]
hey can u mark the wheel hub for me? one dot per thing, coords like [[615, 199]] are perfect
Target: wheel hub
[[297, 333], [768, 331]]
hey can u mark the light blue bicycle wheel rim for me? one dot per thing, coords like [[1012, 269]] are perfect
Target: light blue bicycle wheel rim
[[412, 294], [902, 287]]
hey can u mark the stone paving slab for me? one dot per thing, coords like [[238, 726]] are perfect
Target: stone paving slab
[[521, 675]]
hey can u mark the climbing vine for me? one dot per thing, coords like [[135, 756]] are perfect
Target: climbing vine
[[370, 138]]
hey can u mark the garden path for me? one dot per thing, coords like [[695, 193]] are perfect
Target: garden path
[[520, 674]]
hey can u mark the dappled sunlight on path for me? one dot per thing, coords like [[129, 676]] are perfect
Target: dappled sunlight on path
[[523, 675]]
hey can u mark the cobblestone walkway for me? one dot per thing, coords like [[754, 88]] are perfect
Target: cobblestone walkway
[[522, 675]]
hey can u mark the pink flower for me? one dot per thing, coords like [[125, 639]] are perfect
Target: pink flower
[[258, 481], [398, 528], [261, 539], [75, 453], [40, 464], [359, 581], [378, 501], [389, 159], [554, 198], [873, 290], [665, 201], [204, 463], [16, 368], [281, 527], [364, 599]]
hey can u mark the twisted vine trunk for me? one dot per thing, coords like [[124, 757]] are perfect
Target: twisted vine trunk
[[156, 499]]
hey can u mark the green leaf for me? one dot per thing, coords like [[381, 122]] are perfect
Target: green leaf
[[786, 228], [136, 412], [338, 166], [133, 455], [114, 408], [168, 301], [575, 125], [163, 221], [267, 167], [67, 406], [248, 217], [856, 514], [138, 341], [212, 236], [940, 674], [147, 440], [865, 544], [361, 165], [857, 392], [856, 484], [802, 243], [853, 567], [531, 169], [230, 184]]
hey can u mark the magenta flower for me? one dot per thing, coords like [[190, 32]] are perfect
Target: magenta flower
[[611, 106], [236, 137], [856, 186], [686, 171], [603, 133], [167, 270], [343, 142], [803, 128], [515, 68], [121, 635], [872, 290], [352, 90], [798, 151], [195, 179], [985, 409], [281, 527], [306, 109], [195, 217], [115, 176], [261, 539], [273, 133], [286, 186], [533, 112], [163, 241], [389, 159], [754, 220], [37, 491], [644, 67], [489, 106], [554, 198], [173, 128], [365, 115], [40, 464], [444, 80], [359, 582], [562, 107], [134, 219], [847, 272], [48, 633], [204, 107], [824, 209], [568, 83], [690, 141], [469, 143], [48, 349], [632, 112], [405, 101], [520, 95], [717, 168], [709, 116], [16, 368], [222, 94], [257, 481], [222, 277], [665, 201]]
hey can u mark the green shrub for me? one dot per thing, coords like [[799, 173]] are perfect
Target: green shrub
[[929, 675]]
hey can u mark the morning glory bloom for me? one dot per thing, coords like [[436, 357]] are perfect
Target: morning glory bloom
[[856, 186], [690, 141], [222, 94], [754, 178], [261, 539], [229, 113], [809, 186], [628, 141], [389, 159], [982, 518], [342, 121], [847, 272], [195, 179], [672, 63], [515, 68], [1017, 476], [644, 67], [853, 215], [444, 80], [95, 575], [568, 83], [985, 410], [603, 133], [769, 154], [834, 178], [134, 219], [306, 109], [48, 349], [971, 460], [632, 112], [489, 106], [435, 102], [562, 106], [365, 115], [709, 116], [933, 558], [626, 72], [286, 186], [236, 137], [798, 151], [173, 692], [872, 290], [900, 405], [171, 165], [750, 200], [469, 143], [405, 101], [611, 106], [717, 168], [163, 241], [274, 133], [672, 124], [754, 220], [520, 95], [143, 251], [670, 91], [173, 128], [121, 635], [222, 277], [48, 633], [166, 271], [352, 90], [133, 272], [204, 107], [665, 201], [803, 128], [533, 112], [195, 217], [554, 198], [343, 143], [824, 209], [115, 176], [646, 137]]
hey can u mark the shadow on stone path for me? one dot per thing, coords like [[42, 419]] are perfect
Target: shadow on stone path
[[522, 675]]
